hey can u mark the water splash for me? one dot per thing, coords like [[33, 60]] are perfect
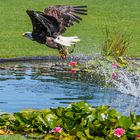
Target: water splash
[[128, 83], [125, 80]]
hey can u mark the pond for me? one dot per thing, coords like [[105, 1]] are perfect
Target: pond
[[40, 85]]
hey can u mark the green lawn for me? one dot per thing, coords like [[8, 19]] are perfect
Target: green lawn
[[12, 137], [116, 14]]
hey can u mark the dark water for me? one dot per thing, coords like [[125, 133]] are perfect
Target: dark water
[[45, 85]]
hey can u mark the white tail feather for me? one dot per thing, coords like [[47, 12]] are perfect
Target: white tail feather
[[67, 41]]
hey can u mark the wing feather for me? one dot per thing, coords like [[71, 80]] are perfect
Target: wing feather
[[42, 23], [66, 15]]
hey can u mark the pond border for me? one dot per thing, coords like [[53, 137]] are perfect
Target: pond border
[[51, 58], [45, 58]]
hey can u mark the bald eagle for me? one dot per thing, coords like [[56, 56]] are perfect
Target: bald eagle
[[50, 24]]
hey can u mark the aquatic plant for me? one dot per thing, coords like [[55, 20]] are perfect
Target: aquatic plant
[[72, 63], [138, 136], [119, 132], [77, 121], [56, 130], [72, 71], [115, 46]]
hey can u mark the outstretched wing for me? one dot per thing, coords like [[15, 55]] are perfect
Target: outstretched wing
[[43, 24], [66, 15]]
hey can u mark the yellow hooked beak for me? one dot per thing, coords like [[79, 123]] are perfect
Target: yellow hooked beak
[[23, 34]]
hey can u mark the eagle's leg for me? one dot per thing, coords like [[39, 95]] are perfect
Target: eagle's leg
[[63, 51]]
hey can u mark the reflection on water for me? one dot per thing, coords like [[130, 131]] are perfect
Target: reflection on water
[[45, 85]]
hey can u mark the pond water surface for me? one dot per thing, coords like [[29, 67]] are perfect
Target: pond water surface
[[45, 85]]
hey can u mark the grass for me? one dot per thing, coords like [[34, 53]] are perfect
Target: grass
[[12, 137], [115, 14]]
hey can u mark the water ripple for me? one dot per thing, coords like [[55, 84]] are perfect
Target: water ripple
[[38, 86]]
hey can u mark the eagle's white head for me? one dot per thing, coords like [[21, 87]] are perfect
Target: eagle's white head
[[28, 35]]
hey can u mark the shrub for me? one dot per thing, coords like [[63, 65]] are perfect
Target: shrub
[[115, 46]]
